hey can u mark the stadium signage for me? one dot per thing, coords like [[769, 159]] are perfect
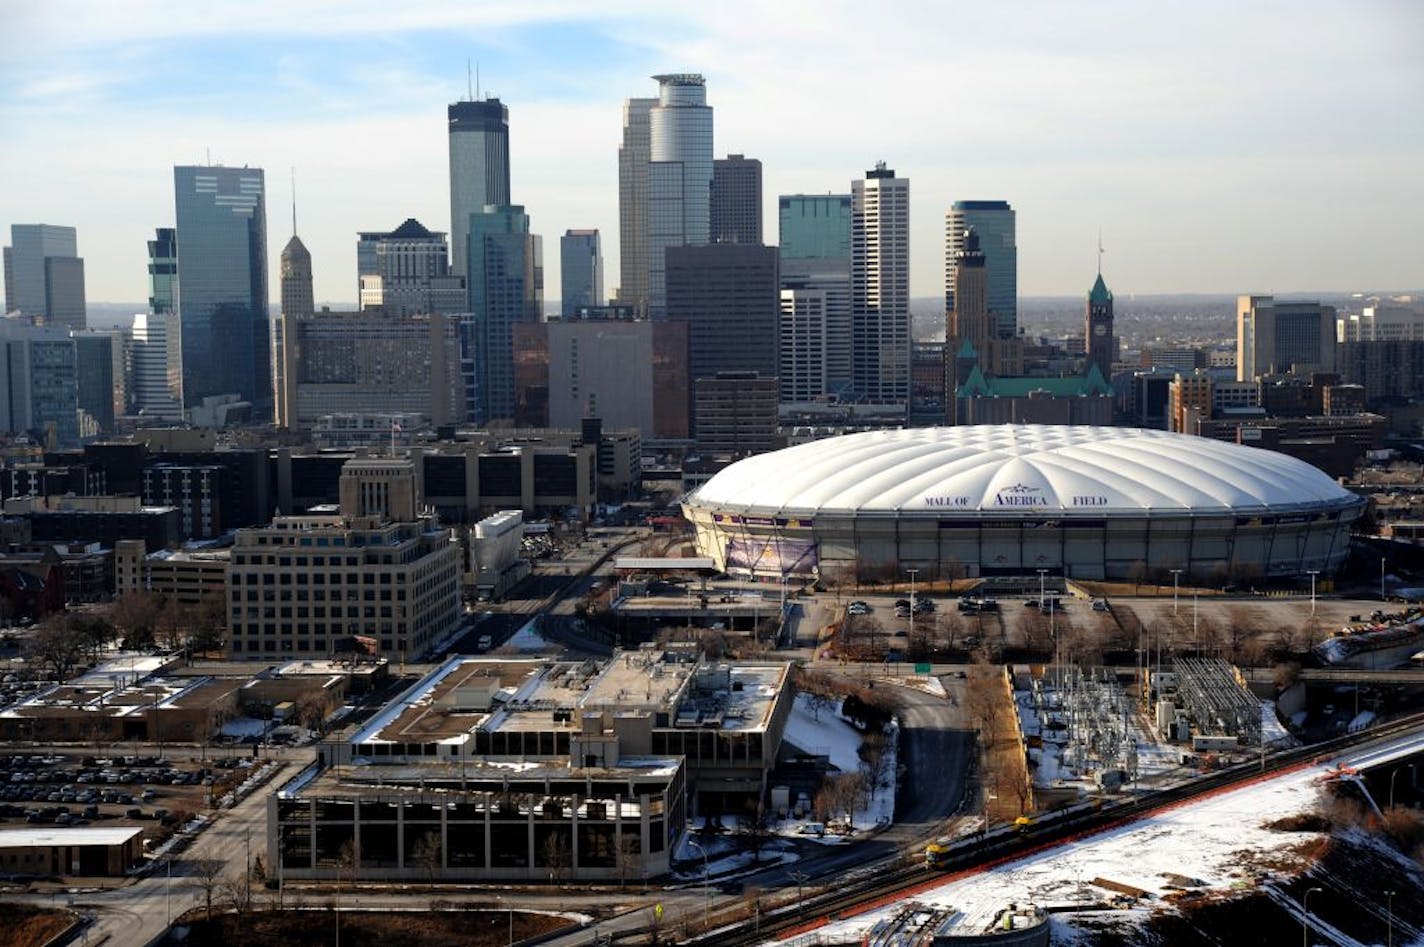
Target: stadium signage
[[1020, 494], [1090, 501], [947, 501]]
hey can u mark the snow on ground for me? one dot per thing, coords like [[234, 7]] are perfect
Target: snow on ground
[[244, 727], [824, 733], [527, 639], [1220, 841]]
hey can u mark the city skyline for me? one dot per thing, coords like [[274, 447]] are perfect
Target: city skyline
[[1205, 172]]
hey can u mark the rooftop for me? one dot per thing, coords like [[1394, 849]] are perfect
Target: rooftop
[[39, 838]]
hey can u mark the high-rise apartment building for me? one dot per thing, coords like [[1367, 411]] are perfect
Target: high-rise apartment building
[[479, 167], [633, 156], [222, 272], [880, 287], [44, 276], [735, 215], [679, 176], [994, 222], [580, 271], [728, 295], [1098, 328], [39, 384], [1278, 336], [408, 272], [506, 285], [736, 413]]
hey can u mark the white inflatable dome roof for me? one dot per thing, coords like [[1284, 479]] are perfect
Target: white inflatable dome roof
[[1020, 468]]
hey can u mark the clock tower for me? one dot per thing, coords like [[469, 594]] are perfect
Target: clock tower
[[1100, 345]]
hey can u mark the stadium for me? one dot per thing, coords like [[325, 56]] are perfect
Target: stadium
[[987, 500]]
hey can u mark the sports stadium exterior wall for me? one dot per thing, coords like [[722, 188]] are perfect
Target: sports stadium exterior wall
[[1084, 535]]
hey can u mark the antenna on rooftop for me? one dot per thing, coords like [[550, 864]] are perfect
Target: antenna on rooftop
[[469, 83], [294, 201], [477, 79], [1100, 251]]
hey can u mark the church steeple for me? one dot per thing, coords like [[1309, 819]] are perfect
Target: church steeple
[[1101, 346]]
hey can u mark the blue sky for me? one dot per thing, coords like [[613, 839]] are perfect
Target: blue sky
[[1220, 147]]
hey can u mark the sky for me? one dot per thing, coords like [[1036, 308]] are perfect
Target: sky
[[1219, 147]]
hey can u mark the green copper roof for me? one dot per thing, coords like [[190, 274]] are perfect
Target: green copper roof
[[1099, 293]]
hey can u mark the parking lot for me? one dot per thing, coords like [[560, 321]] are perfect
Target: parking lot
[[155, 792]]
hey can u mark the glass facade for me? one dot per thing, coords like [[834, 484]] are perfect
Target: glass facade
[[479, 167], [44, 276], [506, 285], [580, 271], [679, 176], [994, 222], [222, 269], [814, 227], [94, 357]]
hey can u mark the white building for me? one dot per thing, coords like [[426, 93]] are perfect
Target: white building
[[153, 395], [1278, 336], [880, 286], [1382, 323]]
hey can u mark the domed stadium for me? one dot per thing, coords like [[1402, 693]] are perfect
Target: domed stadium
[[986, 500]]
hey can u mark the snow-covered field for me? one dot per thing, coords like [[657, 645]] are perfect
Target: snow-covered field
[[828, 733], [1219, 843]]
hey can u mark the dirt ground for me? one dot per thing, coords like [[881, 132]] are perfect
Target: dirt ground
[[371, 929], [24, 925]]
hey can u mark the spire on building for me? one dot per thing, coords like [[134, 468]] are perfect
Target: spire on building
[[1100, 293]]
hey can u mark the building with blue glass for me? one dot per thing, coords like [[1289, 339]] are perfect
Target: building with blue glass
[[505, 281], [994, 222], [479, 167], [222, 272]]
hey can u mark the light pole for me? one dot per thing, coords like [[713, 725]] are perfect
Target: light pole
[[1305, 930], [1176, 575], [168, 891], [706, 885], [1389, 919], [1041, 593], [1381, 578], [1312, 573], [1196, 636], [912, 573], [1393, 774]]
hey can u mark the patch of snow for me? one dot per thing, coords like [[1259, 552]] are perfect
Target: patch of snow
[[244, 727], [527, 639], [826, 733]]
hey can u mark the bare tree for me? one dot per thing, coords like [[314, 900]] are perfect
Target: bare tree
[[757, 830], [208, 878], [818, 701], [556, 857], [627, 853], [428, 855], [874, 762], [57, 644]]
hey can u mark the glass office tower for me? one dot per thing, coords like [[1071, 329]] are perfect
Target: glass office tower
[[222, 272], [479, 168], [994, 222]]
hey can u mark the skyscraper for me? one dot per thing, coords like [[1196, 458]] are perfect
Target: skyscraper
[[479, 167], [298, 303], [816, 356], [679, 176], [506, 285], [94, 365], [736, 200], [44, 276], [152, 395], [633, 156], [1098, 328], [880, 287], [728, 294], [994, 222], [162, 322], [970, 324], [222, 269], [407, 272], [580, 271]]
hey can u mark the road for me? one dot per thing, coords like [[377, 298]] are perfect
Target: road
[[134, 915]]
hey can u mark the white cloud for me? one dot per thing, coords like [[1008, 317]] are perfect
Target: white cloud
[[1213, 144]]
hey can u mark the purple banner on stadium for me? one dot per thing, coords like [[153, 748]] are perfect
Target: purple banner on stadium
[[772, 556]]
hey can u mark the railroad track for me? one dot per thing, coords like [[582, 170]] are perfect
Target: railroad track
[[878, 885]]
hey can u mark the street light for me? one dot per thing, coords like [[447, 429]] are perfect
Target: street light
[[706, 885], [912, 573], [1041, 592], [1393, 774], [1381, 578], [1312, 573], [1389, 922], [1305, 930], [1176, 575]]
